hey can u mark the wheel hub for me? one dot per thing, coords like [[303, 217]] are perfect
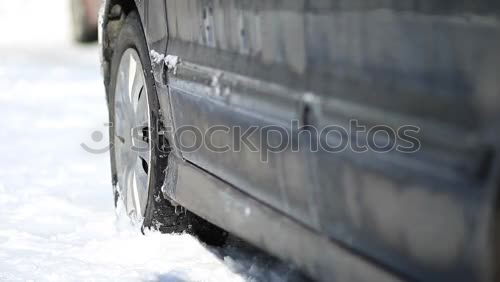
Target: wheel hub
[[132, 145]]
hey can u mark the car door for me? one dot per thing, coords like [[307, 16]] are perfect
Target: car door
[[235, 75], [389, 67]]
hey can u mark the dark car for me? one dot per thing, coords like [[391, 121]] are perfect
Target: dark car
[[357, 139], [84, 14]]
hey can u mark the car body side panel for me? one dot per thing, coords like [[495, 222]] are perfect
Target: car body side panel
[[418, 63]]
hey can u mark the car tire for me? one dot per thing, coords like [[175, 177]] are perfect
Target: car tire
[[159, 213]]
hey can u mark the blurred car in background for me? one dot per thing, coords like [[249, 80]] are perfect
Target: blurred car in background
[[84, 19]]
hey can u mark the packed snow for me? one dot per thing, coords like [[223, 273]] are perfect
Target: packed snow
[[156, 58], [172, 61], [57, 220]]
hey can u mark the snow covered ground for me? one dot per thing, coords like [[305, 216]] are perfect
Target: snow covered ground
[[57, 221]]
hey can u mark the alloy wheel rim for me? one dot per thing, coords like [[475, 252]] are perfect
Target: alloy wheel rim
[[132, 136]]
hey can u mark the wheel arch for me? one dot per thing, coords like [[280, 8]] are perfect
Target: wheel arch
[[152, 15]]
